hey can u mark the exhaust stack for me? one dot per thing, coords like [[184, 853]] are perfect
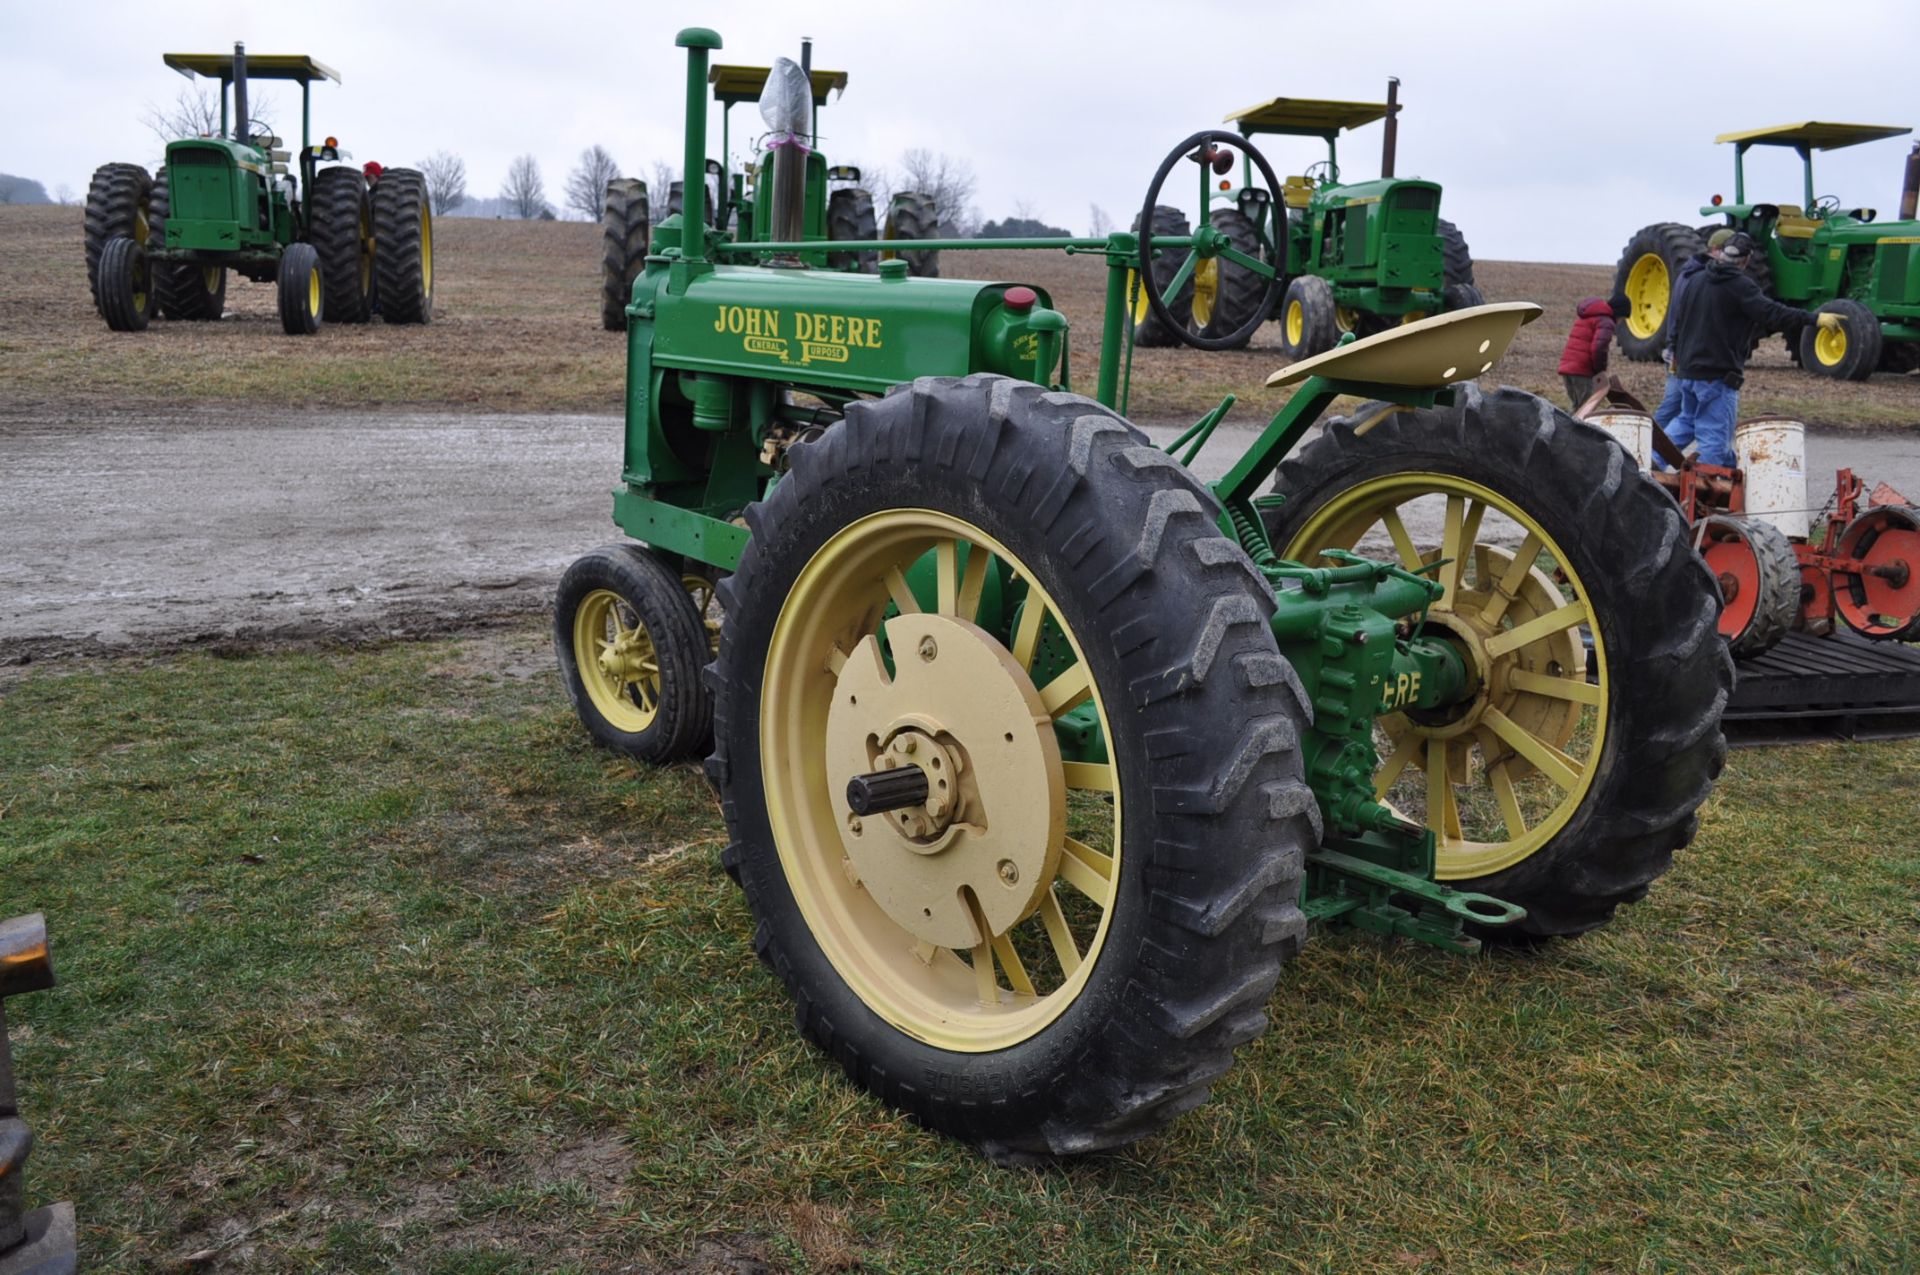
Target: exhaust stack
[[239, 91], [1910, 189], [1392, 138]]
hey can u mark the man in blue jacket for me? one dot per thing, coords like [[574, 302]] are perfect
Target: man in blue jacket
[[1715, 319]]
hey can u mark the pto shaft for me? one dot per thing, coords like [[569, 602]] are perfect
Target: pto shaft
[[884, 790]]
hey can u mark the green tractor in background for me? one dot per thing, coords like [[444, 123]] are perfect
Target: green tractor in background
[[1817, 255], [836, 206], [1358, 257], [341, 243]]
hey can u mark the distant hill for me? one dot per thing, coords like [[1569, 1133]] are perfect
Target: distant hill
[[21, 190]]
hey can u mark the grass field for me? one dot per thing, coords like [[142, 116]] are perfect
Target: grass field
[[518, 329], [371, 962]]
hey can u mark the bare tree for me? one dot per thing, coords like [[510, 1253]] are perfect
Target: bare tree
[[951, 183], [195, 112], [63, 194], [525, 193], [446, 175], [586, 188], [659, 186], [1099, 225]]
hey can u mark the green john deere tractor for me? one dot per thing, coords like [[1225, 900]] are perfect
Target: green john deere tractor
[[1038, 755], [1353, 257], [836, 207], [339, 242], [1818, 255]]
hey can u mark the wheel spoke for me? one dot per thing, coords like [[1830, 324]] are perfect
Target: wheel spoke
[[946, 577], [1087, 870], [972, 582], [1403, 751], [1068, 690], [1065, 950], [1011, 963], [902, 595], [1469, 537], [1443, 812], [1089, 776], [1027, 636], [1402, 542], [985, 985], [1508, 587], [1540, 626], [1451, 527], [1531, 683], [1502, 784], [1563, 770]]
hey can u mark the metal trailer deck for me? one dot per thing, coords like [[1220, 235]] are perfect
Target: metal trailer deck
[[1837, 687]]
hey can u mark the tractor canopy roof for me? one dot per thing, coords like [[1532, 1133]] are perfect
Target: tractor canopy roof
[[743, 83], [1814, 135], [1306, 116], [260, 66]]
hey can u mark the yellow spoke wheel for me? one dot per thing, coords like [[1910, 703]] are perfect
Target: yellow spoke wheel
[[631, 647], [1569, 773], [981, 598]]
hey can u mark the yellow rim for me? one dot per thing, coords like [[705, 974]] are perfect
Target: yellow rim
[[826, 645], [1346, 318], [1498, 777], [1296, 323], [1206, 288], [1830, 346], [701, 590], [141, 228], [313, 290], [616, 659], [210, 277], [426, 248], [1648, 289], [1412, 316]]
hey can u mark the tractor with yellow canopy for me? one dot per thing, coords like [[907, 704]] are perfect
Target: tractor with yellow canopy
[[1818, 253]]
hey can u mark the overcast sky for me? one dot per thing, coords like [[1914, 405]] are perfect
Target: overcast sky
[[1556, 129]]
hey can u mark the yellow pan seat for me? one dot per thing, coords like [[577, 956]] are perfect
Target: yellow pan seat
[[1296, 192]]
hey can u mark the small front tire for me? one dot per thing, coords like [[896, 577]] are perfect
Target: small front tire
[[125, 285], [302, 294], [1308, 318]]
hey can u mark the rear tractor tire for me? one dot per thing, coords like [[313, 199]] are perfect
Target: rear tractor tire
[[1850, 354], [1234, 292], [302, 294], [913, 215], [1037, 958], [850, 216], [631, 646], [1567, 784], [1759, 579], [1646, 273], [1309, 319], [119, 201], [1148, 330], [124, 285], [1454, 253], [342, 235], [403, 252], [625, 229], [182, 289]]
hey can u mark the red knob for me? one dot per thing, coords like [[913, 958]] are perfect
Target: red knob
[[1021, 298]]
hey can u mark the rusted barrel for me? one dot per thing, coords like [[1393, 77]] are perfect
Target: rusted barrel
[[1772, 454], [41, 1242]]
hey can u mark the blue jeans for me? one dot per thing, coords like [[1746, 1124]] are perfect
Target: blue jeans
[[1707, 410]]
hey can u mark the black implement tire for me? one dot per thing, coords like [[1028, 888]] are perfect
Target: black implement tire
[[1458, 258], [182, 289], [403, 246], [1238, 291], [626, 226], [1759, 580], [1147, 328], [627, 586], [1203, 723], [342, 233], [1651, 262], [125, 285], [1853, 354], [301, 291], [1664, 675], [1461, 296], [850, 216], [118, 200], [1309, 322], [913, 215]]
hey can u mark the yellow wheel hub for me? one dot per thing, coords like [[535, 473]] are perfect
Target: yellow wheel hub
[[1498, 776], [210, 277], [973, 920], [616, 659], [1296, 323], [1206, 290], [1345, 318], [313, 291], [1648, 289], [1830, 346]]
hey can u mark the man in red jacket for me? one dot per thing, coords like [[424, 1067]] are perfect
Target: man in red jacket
[[1585, 355]]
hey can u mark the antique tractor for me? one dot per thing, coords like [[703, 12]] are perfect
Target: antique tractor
[[1818, 255], [834, 206], [1349, 257], [339, 242], [1037, 754]]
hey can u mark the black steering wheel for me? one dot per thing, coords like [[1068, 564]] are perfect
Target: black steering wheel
[[1824, 207], [1208, 150]]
